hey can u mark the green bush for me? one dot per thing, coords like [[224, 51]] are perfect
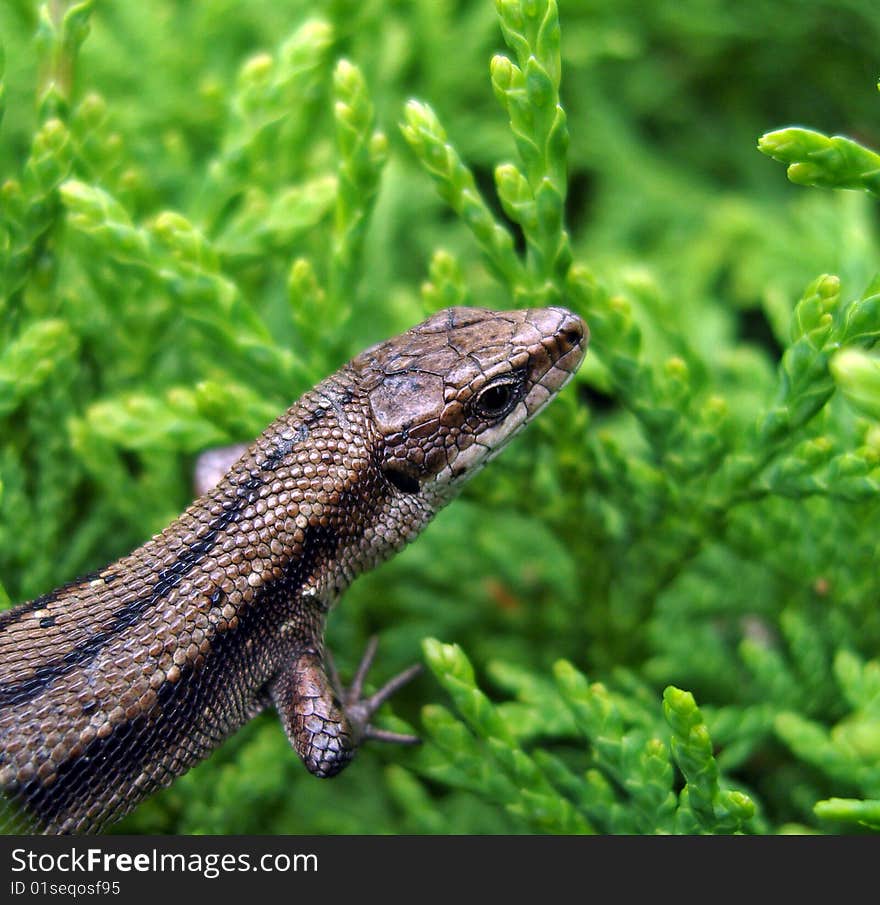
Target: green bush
[[200, 220]]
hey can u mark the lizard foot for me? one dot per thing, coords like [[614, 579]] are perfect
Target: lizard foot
[[326, 724]]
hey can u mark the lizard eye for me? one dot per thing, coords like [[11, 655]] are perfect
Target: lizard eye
[[496, 400]]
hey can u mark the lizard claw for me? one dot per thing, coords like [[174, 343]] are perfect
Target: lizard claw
[[360, 711], [397, 738], [352, 696]]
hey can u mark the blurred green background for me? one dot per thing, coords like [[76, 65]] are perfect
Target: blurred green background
[[133, 339]]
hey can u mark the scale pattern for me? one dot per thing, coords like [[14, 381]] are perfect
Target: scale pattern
[[115, 684]]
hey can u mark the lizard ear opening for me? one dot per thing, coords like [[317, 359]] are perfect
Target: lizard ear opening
[[398, 475]]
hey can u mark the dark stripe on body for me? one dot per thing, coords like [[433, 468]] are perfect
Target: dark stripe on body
[[283, 449], [167, 745], [26, 689], [10, 617]]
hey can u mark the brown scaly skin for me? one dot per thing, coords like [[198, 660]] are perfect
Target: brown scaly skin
[[112, 686]]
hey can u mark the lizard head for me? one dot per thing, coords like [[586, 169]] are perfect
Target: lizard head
[[449, 394]]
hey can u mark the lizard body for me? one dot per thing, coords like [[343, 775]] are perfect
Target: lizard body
[[115, 684]]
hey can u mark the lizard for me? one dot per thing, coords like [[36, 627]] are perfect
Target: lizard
[[115, 684]]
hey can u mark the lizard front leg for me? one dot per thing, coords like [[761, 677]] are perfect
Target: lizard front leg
[[324, 723]]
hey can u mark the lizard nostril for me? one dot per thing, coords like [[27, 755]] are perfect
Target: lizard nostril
[[571, 331]]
